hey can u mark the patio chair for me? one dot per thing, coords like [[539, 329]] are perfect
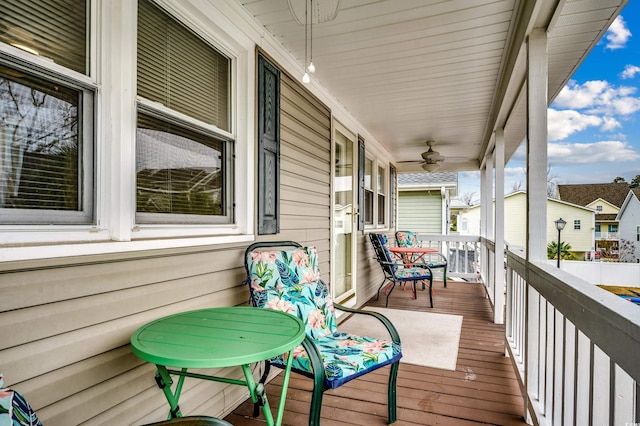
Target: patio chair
[[288, 279], [397, 271], [434, 261]]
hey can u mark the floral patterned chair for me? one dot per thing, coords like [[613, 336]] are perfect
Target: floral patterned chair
[[288, 279], [434, 261], [397, 271]]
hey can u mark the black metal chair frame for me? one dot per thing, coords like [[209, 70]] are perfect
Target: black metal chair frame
[[319, 375], [390, 267]]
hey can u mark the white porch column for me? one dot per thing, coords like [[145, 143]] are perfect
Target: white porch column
[[537, 146], [537, 98], [486, 217], [498, 308]]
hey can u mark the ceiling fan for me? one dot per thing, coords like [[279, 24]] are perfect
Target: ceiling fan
[[431, 159]]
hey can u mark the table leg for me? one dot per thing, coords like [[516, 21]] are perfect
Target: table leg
[[258, 394], [285, 386], [164, 381]]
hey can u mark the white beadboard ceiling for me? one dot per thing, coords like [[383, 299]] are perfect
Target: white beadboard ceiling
[[449, 71]]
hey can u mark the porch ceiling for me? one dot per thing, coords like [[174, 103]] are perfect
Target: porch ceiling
[[449, 71]]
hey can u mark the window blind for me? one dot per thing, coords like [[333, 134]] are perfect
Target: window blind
[[55, 29], [180, 70]]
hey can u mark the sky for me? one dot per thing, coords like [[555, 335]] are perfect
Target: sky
[[594, 123]]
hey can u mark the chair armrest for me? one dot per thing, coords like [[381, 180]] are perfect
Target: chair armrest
[[395, 337]]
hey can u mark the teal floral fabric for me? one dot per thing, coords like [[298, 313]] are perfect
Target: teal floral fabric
[[14, 410], [407, 239], [289, 281]]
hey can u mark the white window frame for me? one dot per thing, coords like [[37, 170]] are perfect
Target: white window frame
[[577, 224], [88, 85], [375, 166], [112, 74]]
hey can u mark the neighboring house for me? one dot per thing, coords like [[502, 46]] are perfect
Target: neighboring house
[[578, 231], [629, 219], [424, 201], [606, 199]]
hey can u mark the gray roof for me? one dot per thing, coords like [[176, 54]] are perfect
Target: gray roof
[[428, 179]]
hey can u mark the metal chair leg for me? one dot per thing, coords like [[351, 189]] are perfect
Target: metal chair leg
[[391, 400]]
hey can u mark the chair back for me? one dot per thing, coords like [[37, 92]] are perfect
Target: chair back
[[407, 239], [288, 279], [383, 255]]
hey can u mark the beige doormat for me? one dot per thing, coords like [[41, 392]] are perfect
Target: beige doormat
[[428, 339]]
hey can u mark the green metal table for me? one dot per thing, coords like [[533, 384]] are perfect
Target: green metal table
[[216, 338]]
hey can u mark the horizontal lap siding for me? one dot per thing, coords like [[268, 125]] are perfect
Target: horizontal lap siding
[[420, 211], [305, 175], [65, 324]]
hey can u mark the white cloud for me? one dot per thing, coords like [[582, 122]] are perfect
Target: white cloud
[[577, 96], [590, 153], [609, 124], [630, 71], [618, 34], [561, 124]]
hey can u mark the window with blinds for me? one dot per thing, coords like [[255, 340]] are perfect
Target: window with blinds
[[183, 167], [55, 29], [179, 69], [46, 134]]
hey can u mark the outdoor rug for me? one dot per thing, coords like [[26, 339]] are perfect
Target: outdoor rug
[[428, 339]]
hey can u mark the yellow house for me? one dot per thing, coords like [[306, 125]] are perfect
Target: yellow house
[[578, 232]]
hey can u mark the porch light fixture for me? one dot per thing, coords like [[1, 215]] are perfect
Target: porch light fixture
[[307, 15], [559, 226], [430, 167]]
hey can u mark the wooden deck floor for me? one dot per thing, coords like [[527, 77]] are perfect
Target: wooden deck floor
[[482, 390]]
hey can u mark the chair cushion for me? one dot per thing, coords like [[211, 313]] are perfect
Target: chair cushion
[[407, 239], [409, 274], [345, 357], [289, 281], [14, 409]]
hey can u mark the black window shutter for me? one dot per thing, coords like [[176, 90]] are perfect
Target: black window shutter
[[392, 195], [361, 206], [268, 147]]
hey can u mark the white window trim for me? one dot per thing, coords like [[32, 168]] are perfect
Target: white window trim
[[376, 163], [113, 76]]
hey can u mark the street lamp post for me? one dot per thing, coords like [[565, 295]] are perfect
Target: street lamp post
[[559, 226]]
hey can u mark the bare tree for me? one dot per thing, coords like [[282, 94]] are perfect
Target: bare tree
[[517, 186], [552, 183], [469, 198], [626, 251]]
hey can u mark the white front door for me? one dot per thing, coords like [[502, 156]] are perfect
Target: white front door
[[344, 214]]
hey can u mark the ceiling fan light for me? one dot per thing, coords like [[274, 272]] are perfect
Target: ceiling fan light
[[430, 167], [431, 153]]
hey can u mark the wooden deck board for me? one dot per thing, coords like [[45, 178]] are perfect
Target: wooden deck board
[[482, 390]]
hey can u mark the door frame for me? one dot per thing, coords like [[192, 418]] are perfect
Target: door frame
[[350, 296]]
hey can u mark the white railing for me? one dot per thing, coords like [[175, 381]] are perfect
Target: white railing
[[574, 346], [462, 253], [607, 236]]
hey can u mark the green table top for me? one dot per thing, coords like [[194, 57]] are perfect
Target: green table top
[[217, 337]]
